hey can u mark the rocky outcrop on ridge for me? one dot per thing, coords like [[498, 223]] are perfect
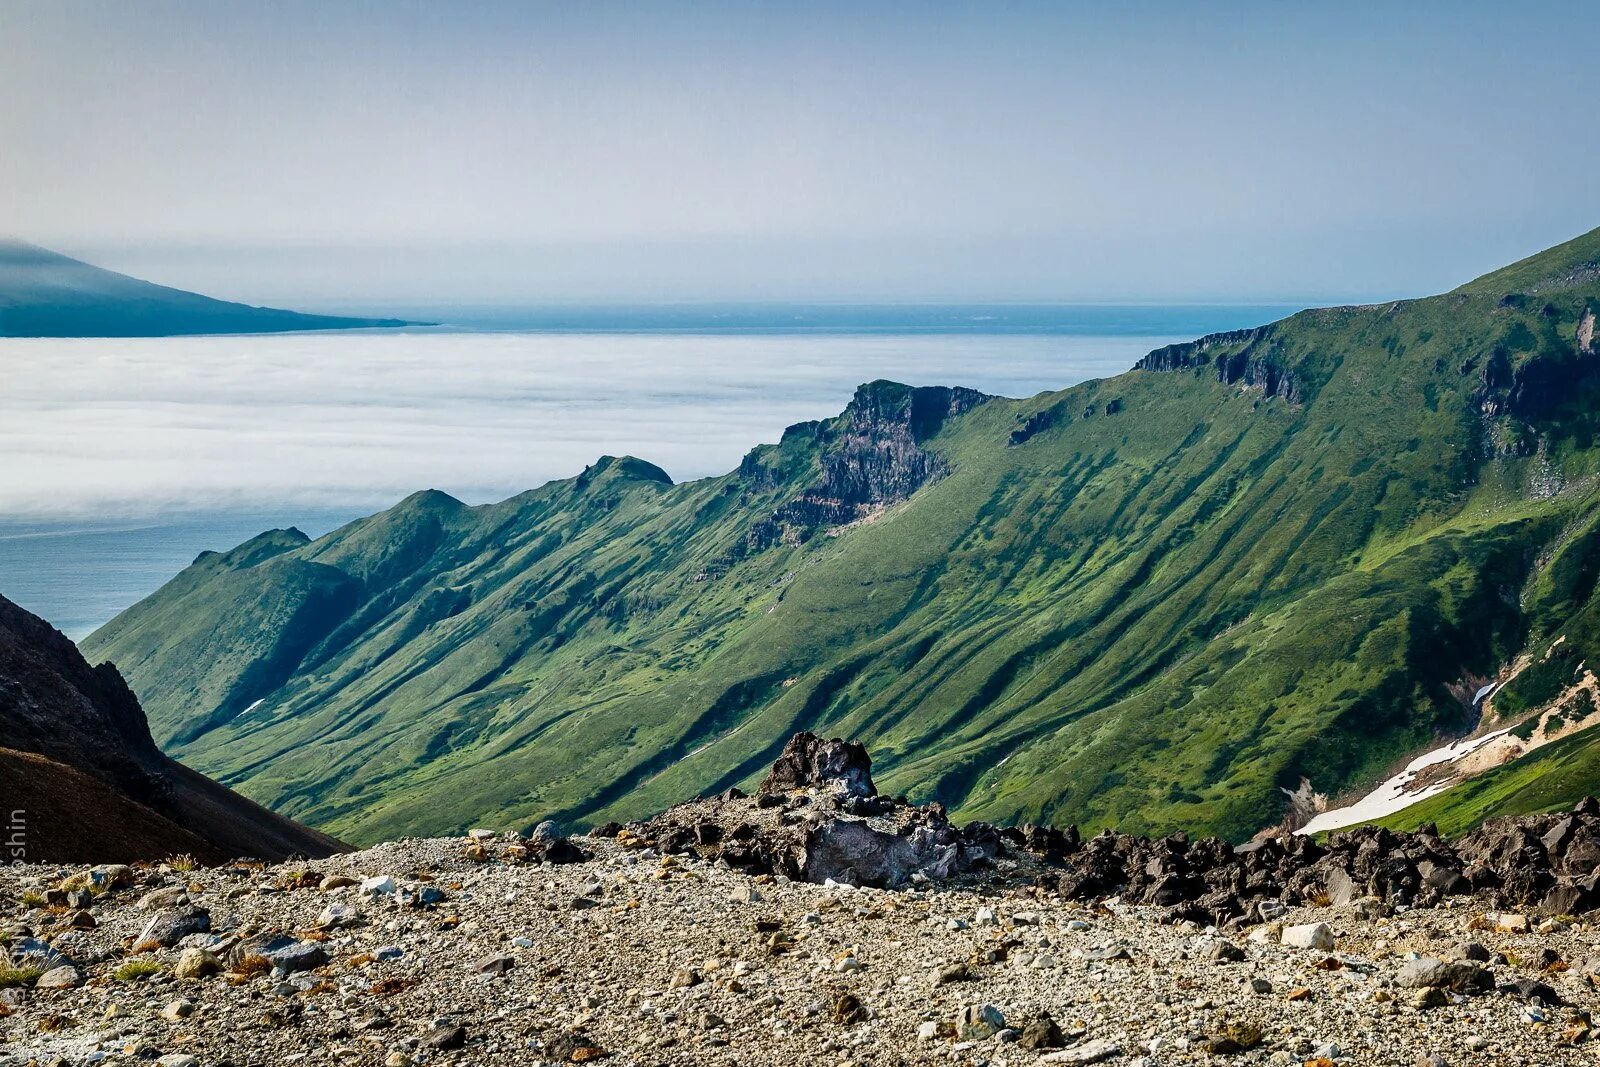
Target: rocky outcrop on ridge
[[1248, 358], [1547, 863], [872, 456], [817, 817]]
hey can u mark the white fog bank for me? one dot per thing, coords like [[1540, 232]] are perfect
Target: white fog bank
[[89, 426]]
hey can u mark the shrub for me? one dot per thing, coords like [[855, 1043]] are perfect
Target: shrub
[[252, 965]]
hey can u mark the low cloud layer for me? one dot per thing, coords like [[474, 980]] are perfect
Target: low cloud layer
[[95, 427]]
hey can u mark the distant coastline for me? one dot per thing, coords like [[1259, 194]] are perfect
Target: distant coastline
[[1046, 319]]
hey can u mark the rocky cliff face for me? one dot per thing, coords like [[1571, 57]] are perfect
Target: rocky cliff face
[[54, 704], [871, 456], [1536, 375], [1249, 358]]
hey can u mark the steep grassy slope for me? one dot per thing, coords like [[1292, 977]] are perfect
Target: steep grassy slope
[[45, 294], [1151, 600]]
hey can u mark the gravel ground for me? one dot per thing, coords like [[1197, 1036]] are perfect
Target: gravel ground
[[636, 959]]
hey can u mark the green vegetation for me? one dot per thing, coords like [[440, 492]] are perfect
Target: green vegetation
[[136, 970], [12, 977], [1149, 601]]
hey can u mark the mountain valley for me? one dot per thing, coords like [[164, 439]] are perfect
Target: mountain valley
[[1273, 561]]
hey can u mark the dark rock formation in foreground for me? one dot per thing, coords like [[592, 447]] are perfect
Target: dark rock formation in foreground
[[1544, 862], [81, 780], [808, 760], [817, 816]]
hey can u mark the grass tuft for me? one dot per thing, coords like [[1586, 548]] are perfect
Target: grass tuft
[[136, 970], [12, 977]]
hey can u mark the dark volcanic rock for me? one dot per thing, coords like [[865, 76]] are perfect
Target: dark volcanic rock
[[1041, 1033], [816, 817], [547, 844], [808, 760], [1537, 861]]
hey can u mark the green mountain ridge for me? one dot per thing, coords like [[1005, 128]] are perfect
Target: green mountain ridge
[[1151, 601], [46, 294]]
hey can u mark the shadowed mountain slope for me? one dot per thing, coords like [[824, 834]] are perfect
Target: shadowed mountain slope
[[81, 767], [1153, 601], [45, 294]]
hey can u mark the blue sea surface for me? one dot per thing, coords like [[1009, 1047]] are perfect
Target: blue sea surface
[[78, 573], [123, 459]]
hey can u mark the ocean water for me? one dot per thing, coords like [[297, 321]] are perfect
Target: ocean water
[[78, 573], [122, 459]]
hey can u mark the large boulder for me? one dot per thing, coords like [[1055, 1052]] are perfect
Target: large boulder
[[171, 925], [809, 761], [817, 817]]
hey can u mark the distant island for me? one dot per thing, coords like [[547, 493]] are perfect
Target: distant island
[[46, 294]]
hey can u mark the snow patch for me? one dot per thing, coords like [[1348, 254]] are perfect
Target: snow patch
[[1394, 794]]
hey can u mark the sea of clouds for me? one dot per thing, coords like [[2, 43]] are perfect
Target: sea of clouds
[[105, 426]]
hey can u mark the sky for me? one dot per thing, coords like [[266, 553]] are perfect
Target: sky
[[343, 154]]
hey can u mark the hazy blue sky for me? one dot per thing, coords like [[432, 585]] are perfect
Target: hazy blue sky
[[330, 152]]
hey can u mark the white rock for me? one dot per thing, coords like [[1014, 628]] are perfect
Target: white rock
[[1088, 1052], [383, 884], [1308, 935], [64, 976]]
